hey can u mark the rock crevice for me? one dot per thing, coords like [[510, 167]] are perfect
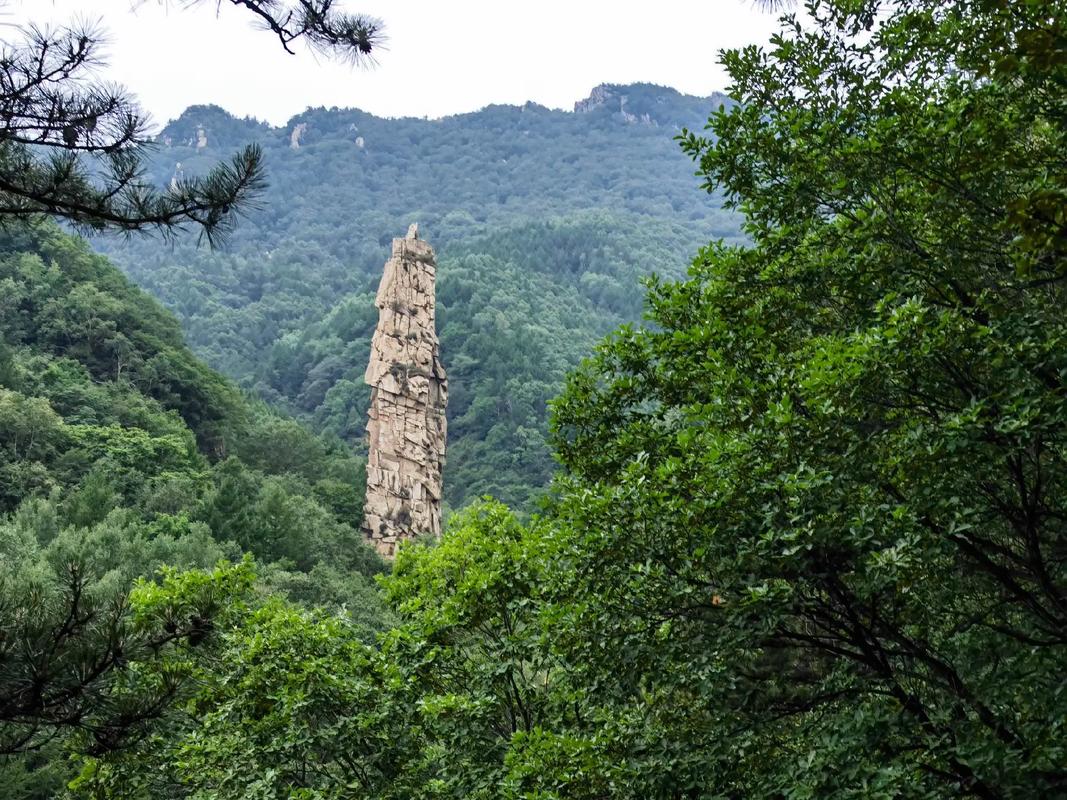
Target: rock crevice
[[406, 426]]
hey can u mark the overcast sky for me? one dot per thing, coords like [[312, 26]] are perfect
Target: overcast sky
[[443, 56]]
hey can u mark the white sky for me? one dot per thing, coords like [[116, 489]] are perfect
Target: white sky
[[443, 57]]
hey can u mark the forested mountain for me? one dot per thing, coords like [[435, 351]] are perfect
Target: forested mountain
[[807, 535], [119, 449], [544, 222], [106, 410]]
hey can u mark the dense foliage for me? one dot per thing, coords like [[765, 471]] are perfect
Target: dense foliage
[[823, 501], [807, 538], [120, 453], [543, 221]]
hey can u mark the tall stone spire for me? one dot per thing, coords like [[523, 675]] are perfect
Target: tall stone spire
[[406, 425]]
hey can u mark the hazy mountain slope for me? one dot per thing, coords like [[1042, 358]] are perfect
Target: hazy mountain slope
[[543, 221]]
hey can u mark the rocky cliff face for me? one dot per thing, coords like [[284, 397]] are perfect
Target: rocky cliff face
[[648, 104], [406, 429], [294, 137]]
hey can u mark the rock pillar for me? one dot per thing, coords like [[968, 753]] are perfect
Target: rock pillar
[[406, 426]]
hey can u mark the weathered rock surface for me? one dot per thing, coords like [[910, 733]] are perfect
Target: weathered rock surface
[[406, 429], [177, 177], [294, 136]]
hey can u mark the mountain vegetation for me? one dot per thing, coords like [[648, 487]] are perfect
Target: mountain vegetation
[[544, 222], [805, 536], [120, 453]]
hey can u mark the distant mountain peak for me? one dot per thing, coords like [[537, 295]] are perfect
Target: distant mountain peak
[[204, 125], [643, 103]]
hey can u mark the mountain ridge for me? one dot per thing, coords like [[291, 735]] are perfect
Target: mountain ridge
[[597, 98]]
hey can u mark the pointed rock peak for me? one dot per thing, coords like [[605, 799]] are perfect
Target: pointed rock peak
[[406, 426], [413, 231]]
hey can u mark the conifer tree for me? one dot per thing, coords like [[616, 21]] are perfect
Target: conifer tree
[[72, 145]]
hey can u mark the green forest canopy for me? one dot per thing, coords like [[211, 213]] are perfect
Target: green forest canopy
[[121, 452], [544, 222], [807, 537]]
